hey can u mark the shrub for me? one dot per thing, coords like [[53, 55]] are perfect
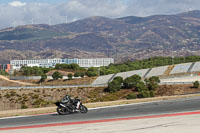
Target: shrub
[[196, 84], [77, 74], [82, 74], [131, 82], [143, 94], [12, 93], [152, 93], [56, 75], [7, 95], [91, 72], [43, 77], [35, 96], [140, 86], [70, 76], [131, 96], [114, 86], [119, 79], [23, 106], [152, 82]]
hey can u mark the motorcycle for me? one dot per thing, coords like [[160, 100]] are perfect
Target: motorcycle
[[70, 107]]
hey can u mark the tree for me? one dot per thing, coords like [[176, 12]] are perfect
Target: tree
[[114, 86], [119, 79], [74, 66], [82, 74], [70, 76], [43, 78], [56, 75], [140, 86], [144, 94], [196, 84], [131, 96], [77, 74], [92, 72], [132, 81], [152, 82]]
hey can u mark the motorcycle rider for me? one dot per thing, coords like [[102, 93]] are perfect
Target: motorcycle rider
[[67, 100]]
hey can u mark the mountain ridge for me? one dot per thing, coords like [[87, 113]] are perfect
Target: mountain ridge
[[125, 38]]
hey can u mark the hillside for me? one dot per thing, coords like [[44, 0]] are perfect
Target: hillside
[[122, 38]]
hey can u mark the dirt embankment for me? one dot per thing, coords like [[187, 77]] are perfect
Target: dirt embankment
[[4, 81]]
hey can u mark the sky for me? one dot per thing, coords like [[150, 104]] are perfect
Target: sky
[[22, 12]]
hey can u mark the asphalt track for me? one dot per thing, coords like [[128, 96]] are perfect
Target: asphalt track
[[125, 111]]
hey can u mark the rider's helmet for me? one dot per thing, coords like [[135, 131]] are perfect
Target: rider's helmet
[[66, 98]]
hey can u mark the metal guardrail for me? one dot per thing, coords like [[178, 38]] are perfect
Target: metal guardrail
[[174, 83], [77, 86], [50, 87]]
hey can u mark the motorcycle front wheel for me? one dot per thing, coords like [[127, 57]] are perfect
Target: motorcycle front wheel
[[62, 111], [83, 109]]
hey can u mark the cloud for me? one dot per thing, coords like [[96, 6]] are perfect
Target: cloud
[[16, 4], [71, 10]]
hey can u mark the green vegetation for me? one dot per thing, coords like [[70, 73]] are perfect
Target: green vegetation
[[196, 84], [43, 78], [92, 71], [72, 66], [152, 82], [146, 63], [114, 86], [23, 106], [34, 71], [56, 75], [131, 96], [3, 72], [143, 89], [131, 82], [70, 76], [77, 74], [29, 34], [112, 68]]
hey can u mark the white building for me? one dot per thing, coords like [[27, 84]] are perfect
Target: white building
[[97, 62]]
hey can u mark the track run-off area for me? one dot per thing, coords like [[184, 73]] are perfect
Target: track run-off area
[[149, 110]]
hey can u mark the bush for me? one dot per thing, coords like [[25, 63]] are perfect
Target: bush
[[132, 81], [72, 66], [92, 72], [119, 79], [152, 93], [131, 96], [196, 84], [140, 86], [43, 77], [143, 94], [77, 74], [82, 74], [152, 82], [3, 72], [114, 86], [70, 76], [56, 75], [23, 106]]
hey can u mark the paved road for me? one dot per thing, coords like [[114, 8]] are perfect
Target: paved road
[[169, 106]]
